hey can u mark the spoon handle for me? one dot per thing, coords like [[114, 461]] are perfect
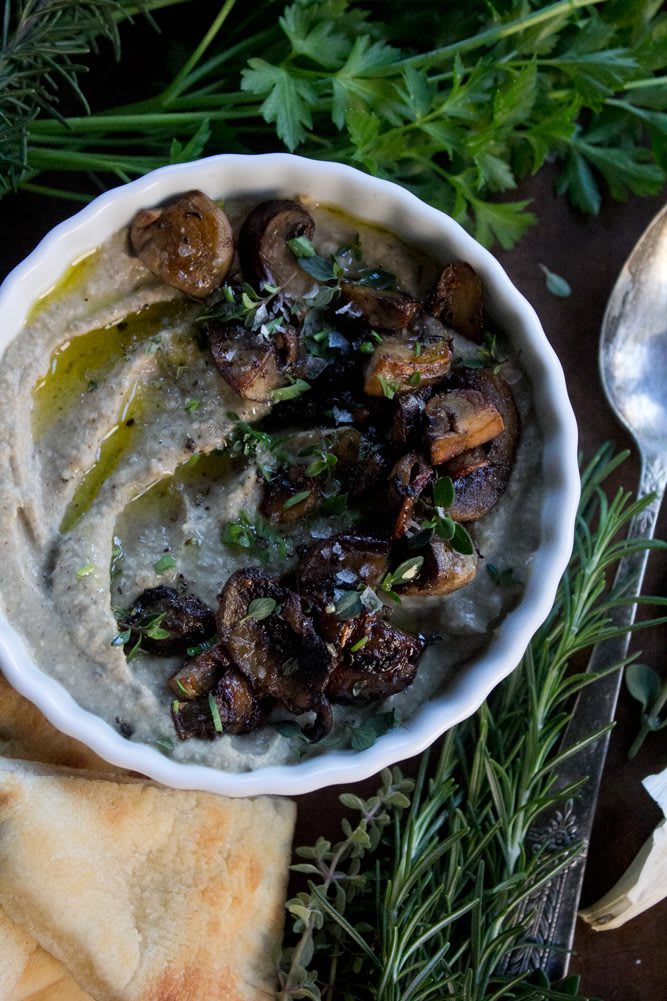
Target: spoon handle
[[553, 910]]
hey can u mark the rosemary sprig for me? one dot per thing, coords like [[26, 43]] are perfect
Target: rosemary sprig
[[440, 909]]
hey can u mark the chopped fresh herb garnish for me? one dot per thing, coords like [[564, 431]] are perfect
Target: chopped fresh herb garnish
[[365, 735], [417, 350], [501, 578], [443, 492], [260, 608], [461, 541], [322, 269], [286, 728], [116, 556], [335, 504], [555, 284], [296, 388], [301, 247], [375, 278], [359, 644], [164, 744], [194, 651], [165, 563], [257, 536], [192, 406], [487, 356], [367, 347], [85, 570], [389, 387], [405, 572], [414, 379], [323, 464], [296, 499], [122, 638], [215, 713]]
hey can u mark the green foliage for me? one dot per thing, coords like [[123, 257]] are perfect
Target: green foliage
[[439, 896], [504, 87]]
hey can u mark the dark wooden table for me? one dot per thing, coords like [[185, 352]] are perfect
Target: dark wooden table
[[629, 964]]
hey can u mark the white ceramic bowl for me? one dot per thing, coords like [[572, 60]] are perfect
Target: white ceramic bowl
[[272, 175]]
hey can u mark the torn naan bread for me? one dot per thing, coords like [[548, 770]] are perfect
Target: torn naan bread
[[145, 893]]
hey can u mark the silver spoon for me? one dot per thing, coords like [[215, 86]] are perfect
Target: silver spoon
[[633, 367]]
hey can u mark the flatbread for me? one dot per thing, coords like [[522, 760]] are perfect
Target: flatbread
[[25, 733], [27, 973], [145, 893]]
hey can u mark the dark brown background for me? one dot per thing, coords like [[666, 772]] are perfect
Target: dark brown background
[[629, 964]]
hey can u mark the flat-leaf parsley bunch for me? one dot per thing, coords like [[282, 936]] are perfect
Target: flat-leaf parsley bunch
[[457, 102]]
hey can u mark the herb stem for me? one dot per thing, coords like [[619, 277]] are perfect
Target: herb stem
[[491, 35], [179, 82]]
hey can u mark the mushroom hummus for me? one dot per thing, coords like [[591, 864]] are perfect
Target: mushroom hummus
[[268, 478]]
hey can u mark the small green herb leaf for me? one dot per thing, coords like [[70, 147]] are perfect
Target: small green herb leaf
[[166, 562], [360, 644], [555, 284], [122, 638], [643, 683], [215, 713], [301, 247], [348, 605], [443, 492], [389, 387], [296, 499], [296, 388], [367, 733], [461, 541], [260, 608], [85, 570], [192, 406]]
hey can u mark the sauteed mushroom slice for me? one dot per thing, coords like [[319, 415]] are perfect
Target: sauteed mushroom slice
[[361, 462], [375, 660], [345, 560], [265, 255], [198, 675], [409, 477], [277, 649], [187, 243], [457, 300], [290, 495], [183, 616], [407, 420], [466, 462], [383, 309], [401, 363], [443, 570], [458, 420], [248, 363], [231, 707], [477, 492]]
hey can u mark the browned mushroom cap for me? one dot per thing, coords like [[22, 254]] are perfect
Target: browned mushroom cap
[[236, 710], [457, 420], [187, 620], [401, 363], [383, 663], [407, 420], [457, 300], [198, 675], [409, 477], [265, 256], [476, 493], [443, 570], [188, 243], [383, 309], [361, 463], [344, 560], [281, 655], [246, 361]]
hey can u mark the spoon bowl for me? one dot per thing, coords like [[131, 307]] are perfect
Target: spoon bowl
[[633, 343]]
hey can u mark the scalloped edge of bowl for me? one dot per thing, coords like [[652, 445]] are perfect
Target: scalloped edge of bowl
[[386, 204]]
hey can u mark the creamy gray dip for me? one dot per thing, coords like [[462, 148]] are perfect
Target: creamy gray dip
[[107, 466]]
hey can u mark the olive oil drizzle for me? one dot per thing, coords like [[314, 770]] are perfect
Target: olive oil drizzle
[[79, 366], [117, 442], [69, 280]]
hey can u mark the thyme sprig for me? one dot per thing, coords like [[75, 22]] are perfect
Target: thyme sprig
[[439, 909]]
